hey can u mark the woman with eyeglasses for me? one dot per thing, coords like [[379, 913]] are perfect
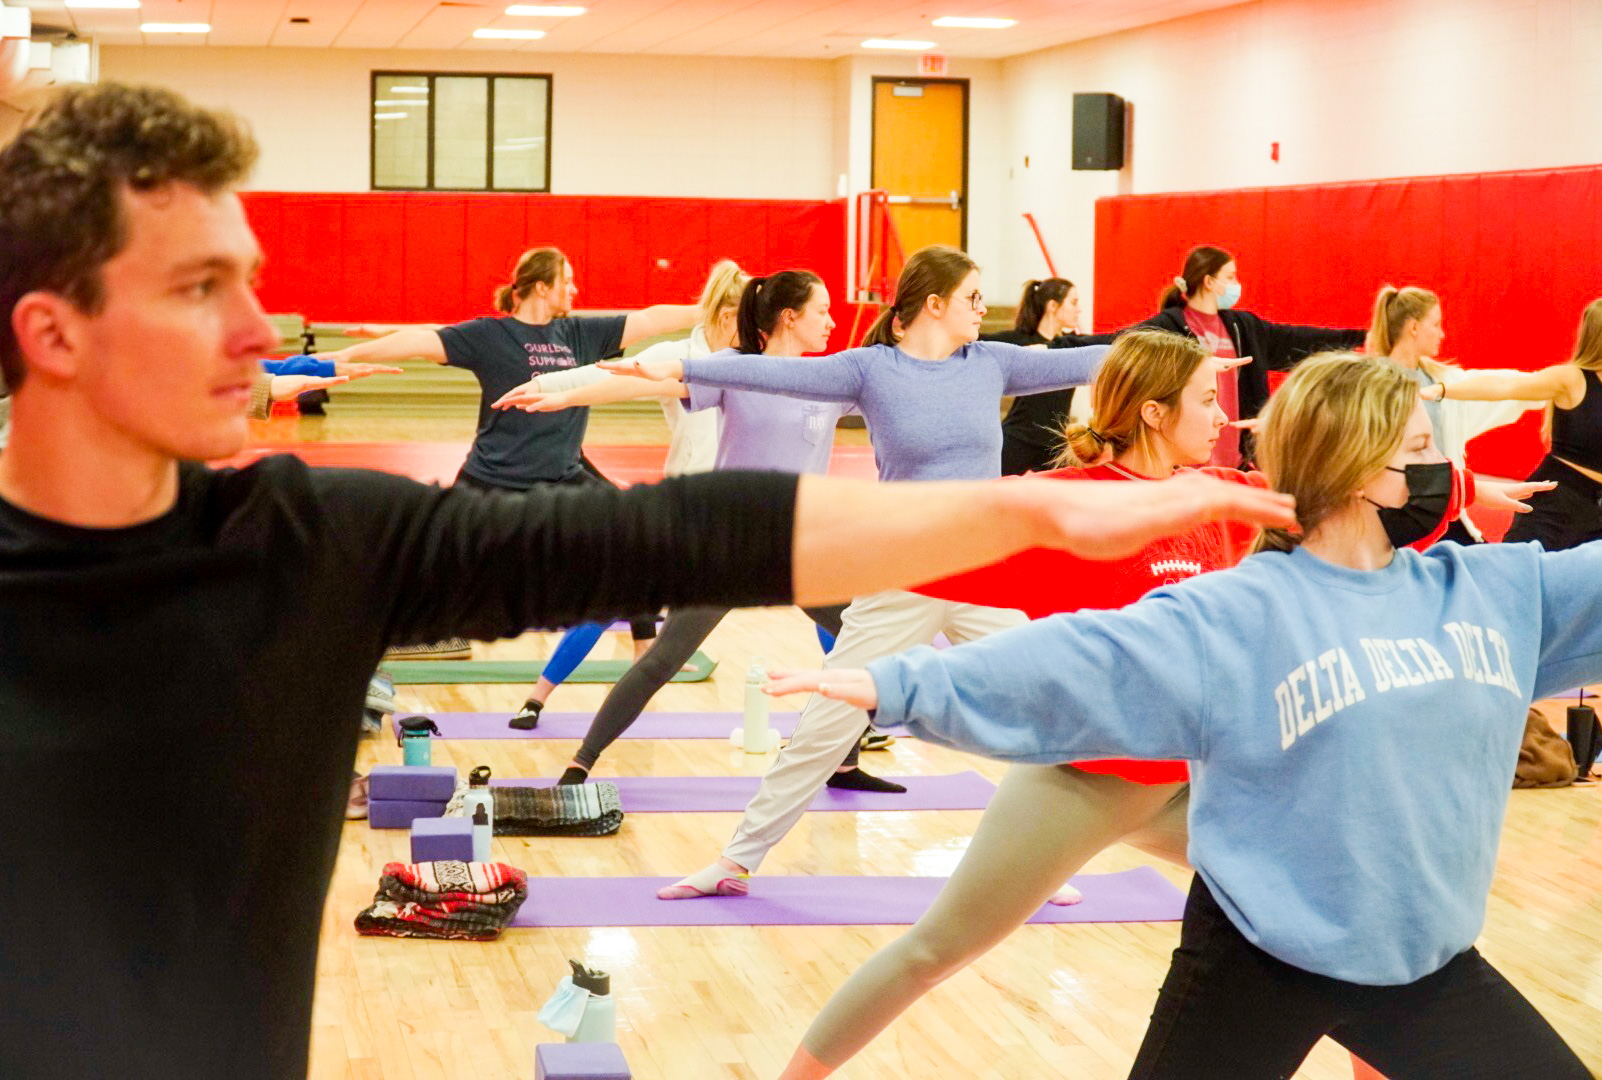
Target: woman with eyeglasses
[[930, 392]]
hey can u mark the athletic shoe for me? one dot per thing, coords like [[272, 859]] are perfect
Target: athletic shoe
[[876, 740], [528, 717], [380, 694], [372, 722], [450, 649]]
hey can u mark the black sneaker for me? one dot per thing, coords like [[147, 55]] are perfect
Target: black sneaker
[[528, 717], [876, 740]]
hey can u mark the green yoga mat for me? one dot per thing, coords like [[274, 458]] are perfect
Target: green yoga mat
[[416, 672]]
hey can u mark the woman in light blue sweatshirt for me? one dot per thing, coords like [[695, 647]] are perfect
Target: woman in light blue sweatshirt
[[931, 393], [1352, 713]]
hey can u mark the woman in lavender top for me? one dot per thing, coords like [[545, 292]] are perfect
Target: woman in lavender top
[[787, 314], [931, 393]]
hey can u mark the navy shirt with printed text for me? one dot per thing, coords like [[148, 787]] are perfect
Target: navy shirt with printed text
[[516, 449]]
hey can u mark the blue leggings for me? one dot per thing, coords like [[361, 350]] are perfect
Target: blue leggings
[[576, 645]]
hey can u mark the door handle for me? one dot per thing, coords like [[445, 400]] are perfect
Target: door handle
[[952, 200]]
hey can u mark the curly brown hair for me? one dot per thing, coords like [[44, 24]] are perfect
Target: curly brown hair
[[62, 181]]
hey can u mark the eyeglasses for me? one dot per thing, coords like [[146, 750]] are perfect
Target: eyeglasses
[[976, 300]]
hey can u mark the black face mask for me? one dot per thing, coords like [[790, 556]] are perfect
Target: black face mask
[[1429, 494]]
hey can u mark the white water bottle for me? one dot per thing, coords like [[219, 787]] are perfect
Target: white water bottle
[[480, 800], [754, 736], [481, 835]]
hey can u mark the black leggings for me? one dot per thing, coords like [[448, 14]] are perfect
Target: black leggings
[[1565, 517], [682, 633], [641, 627], [1229, 1010]]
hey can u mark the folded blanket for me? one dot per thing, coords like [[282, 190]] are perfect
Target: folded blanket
[[568, 810], [447, 899]]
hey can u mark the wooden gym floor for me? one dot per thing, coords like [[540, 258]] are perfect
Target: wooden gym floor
[[729, 1003]]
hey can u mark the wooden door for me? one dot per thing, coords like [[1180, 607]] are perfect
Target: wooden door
[[920, 157]]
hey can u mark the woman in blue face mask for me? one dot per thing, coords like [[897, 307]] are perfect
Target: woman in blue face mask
[[1203, 302]]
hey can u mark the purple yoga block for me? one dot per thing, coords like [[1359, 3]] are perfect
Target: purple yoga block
[[580, 1061], [438, 839], [412, 783], [399, 813]]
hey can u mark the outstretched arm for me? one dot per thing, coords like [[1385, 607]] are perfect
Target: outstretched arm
[[854, 537], [457, 562], [613, 388], [391, 349], [1548, 384], [659, 319], [1038, 693], [1030, 369], [837, 377]]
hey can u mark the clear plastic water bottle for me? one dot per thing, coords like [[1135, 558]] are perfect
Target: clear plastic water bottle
[[600, 1011]]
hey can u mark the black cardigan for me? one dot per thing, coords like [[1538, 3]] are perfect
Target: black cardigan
[[1272, 346]]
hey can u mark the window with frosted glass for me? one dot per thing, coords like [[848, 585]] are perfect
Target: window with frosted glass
[[400, 131], [521, 106], [437, 131]]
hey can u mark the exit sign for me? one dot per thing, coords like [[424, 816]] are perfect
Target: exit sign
[[931, 64]]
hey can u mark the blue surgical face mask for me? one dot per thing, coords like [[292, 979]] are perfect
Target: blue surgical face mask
[[1231, 296]]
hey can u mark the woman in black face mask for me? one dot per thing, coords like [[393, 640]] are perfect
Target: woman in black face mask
[[1351, 711]]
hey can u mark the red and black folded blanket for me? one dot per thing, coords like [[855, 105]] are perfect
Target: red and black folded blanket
[[450, 900]]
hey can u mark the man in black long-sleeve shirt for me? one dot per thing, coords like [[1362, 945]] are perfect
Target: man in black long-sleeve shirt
[[181, 649]]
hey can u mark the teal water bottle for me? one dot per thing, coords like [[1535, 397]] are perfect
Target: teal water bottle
[[415, 733]]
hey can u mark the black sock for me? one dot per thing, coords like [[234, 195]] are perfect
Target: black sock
[[573, 775], [528, 717], [857, 780]]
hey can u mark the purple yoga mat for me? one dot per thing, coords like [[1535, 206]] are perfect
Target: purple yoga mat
[[713, 794], [1138, 895], [575, 725]]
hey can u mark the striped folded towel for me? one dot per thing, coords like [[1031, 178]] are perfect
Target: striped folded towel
[[447, 899], [569, 810]]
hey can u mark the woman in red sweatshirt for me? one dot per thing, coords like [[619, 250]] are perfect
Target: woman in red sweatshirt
[[1155, 411]]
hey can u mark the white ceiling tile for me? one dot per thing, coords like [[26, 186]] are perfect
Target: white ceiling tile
[[778, 28]]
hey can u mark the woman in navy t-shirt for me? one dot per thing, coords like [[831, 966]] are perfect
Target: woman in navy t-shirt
[[513, 450]]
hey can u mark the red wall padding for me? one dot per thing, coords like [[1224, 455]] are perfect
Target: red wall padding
[[1514, 257], [377, 257]]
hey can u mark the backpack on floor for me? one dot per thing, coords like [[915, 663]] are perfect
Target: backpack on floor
[[1545, 760]]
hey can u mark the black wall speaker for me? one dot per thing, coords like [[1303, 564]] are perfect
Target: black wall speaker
[[1098, 131]]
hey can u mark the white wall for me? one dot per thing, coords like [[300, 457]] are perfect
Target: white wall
[[1350, 89], [627, 125], [621, 125]]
